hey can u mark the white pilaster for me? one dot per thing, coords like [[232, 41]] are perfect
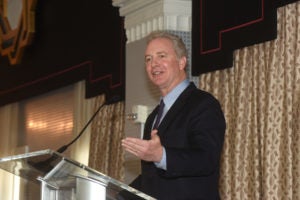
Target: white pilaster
[[144, 16]]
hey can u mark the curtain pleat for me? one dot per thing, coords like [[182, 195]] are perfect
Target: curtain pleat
[[106, 153]]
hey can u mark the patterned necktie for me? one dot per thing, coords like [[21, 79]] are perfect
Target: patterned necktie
[[159, 114]]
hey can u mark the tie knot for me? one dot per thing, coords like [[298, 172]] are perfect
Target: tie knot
[[161, 107], [161, 103]]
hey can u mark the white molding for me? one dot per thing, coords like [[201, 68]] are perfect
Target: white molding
[[144, 16]]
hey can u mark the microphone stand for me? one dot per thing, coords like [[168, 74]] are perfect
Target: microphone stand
[[64, 147], [45, 165]]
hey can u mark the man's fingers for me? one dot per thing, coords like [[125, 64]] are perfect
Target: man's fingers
[[133, 142], [134, 145]]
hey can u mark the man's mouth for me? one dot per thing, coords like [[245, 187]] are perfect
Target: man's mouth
[[156, 73]]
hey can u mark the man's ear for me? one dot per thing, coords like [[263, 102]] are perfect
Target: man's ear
[[182, 62]]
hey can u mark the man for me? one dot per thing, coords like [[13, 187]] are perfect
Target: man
[[180, 157]]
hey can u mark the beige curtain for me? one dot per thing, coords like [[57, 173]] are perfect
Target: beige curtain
[[106, 153], [260, 96]]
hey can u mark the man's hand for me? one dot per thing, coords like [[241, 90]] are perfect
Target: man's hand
[[148, 150]]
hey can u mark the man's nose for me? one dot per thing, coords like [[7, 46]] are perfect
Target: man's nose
[[154, 62]]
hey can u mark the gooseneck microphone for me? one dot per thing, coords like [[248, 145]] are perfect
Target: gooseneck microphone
[[47, 164], [110, 101]]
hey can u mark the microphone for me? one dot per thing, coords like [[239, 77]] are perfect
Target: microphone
[[114, 99]]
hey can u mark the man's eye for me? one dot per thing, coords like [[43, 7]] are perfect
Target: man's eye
[[162, 55], [147, 60]]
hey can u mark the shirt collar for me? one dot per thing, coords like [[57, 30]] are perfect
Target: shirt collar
[[171, 97]]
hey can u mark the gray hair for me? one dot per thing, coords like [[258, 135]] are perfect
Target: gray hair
[[178, 44]]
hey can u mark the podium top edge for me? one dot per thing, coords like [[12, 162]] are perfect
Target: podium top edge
[[28, 155]]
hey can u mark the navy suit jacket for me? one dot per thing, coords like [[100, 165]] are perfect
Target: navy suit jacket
[[192, 133]]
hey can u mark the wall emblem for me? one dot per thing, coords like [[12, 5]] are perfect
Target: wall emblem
[[16, 28]]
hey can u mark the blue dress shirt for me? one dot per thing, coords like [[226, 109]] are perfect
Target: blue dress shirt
[[169, 100]]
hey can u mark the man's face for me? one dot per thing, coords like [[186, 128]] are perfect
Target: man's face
[[163, 67]]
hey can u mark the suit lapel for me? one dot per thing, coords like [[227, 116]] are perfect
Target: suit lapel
[[149, 123], [176, 108], [173, 112]]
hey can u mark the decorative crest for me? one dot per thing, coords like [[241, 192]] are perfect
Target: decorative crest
[[16, 28]]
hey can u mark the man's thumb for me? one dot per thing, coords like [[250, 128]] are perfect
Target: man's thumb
[[153, 133]]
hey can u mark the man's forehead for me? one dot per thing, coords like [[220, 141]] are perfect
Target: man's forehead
[[157, 52]]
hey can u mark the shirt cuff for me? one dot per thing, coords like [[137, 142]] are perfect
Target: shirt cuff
[[163, 162]]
